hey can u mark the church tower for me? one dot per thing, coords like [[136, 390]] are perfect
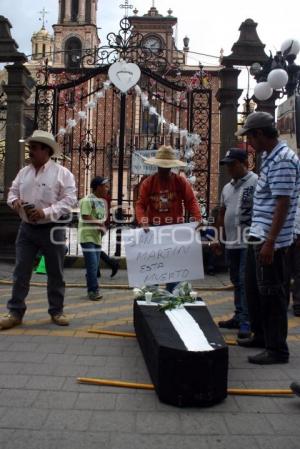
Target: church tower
[[75, 32], [158, 32]]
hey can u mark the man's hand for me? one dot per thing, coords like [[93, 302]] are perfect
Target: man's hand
[[17, 204], [35, 214], [216, 248], [102, 230], [266, 254]]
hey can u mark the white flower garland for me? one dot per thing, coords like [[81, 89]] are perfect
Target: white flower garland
[[192, 140]]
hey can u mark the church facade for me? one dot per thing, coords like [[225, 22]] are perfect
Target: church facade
[[92, 146]]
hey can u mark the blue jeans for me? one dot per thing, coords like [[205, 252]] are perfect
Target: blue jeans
[[91, 253], [237, 271]]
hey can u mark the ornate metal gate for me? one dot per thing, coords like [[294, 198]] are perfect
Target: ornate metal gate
[[99, 128]]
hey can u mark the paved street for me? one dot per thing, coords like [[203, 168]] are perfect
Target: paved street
[[42, 405]]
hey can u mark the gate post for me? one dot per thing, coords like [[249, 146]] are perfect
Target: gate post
[[17, 91], [227, 96]]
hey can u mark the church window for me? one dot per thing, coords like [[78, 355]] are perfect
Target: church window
[[73, 49], [74, 10], [88, 11]]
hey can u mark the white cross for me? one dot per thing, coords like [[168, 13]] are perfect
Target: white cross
[[43, 12], [126, 7]]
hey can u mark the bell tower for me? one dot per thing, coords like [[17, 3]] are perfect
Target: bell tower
[[75, 32]]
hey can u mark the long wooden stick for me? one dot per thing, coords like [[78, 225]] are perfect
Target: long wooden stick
[[259, 392], [117, 334], [231, 391], [115, 383]]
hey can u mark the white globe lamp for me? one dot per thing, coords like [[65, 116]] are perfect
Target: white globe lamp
[[278, 78], [263, 91], [290, 47]]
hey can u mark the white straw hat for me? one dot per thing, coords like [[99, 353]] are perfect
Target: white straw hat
[[166, 158], [46, 138]]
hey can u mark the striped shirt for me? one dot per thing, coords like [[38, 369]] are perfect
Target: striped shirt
[[297, 220], [279, 176]]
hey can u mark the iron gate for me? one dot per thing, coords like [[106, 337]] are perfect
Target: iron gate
[[111, 126]]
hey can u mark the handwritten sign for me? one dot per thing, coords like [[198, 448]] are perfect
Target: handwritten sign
[[165, 254]]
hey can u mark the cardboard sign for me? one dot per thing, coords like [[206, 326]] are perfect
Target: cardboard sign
[[165, 254]]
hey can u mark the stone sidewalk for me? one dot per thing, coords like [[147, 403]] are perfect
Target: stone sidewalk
[[42, 405]]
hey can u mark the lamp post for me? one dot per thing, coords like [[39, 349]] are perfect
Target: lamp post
[[278, 73]]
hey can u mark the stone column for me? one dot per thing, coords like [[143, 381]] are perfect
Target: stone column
[[81, 14], [94, 12], [267, 105], [68, 11], [17, 92], [59, 12], [227, 96]]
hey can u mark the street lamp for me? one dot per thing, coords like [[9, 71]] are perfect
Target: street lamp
[[278, 72]]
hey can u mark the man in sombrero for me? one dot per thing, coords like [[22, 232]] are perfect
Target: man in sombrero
[[165, 196]]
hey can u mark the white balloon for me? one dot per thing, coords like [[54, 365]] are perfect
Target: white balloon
[[263, 91], [290, 47], [278, 78]]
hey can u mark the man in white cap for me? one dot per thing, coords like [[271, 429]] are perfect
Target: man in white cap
[[162, 195], [271, 233], [41, 194]]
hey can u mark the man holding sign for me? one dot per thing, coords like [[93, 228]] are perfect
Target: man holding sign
[[165, 196]]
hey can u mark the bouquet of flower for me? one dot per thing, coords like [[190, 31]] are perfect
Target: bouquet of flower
[[181, 294]]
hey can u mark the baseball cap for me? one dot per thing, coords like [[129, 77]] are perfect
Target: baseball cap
[[234, 154], [98, 181], [256, 120]]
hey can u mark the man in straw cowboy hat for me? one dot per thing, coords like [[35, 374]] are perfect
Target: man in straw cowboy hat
[[41, 194], [162, 195]]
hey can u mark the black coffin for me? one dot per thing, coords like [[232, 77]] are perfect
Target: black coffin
[[182, 377]]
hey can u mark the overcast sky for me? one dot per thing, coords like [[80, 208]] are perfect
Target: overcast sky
[[211, 25]]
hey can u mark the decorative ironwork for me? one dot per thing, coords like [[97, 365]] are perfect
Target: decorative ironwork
[[3, 115], [279, 61], [106, 135], [129, 45]]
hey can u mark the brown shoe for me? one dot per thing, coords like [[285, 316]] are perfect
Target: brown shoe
[[8, 321], [60, 319]]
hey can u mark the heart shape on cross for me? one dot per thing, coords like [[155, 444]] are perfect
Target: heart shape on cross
[[124, 75]]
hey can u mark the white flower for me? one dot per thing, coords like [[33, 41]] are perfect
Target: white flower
[[99, 94], [153, 111], [192, 179], [106, 84], [137, 292], [71, 123], [62, 131], [82, 115], [91, 104]]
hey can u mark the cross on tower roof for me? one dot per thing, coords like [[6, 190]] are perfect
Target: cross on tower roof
[[153, 3], [126, 6], [43, 13]]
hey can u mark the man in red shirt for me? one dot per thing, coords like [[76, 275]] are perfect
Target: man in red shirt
[[165, 196]]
